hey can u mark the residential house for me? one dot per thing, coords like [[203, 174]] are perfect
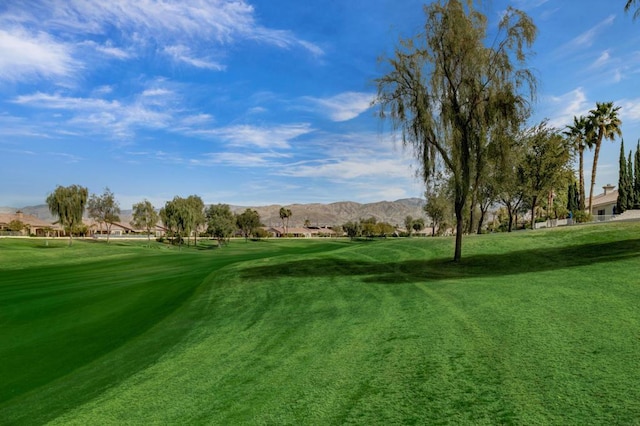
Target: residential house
[[32, 225], [604, 205]]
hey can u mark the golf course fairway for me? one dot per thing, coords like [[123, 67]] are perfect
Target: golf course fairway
[[537, 327]]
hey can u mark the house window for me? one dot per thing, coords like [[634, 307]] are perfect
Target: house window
[[601, 214]]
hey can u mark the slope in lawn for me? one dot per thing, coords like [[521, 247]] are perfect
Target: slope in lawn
[[538, 327]]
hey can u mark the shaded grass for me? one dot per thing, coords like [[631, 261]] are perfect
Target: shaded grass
[[531, 328]]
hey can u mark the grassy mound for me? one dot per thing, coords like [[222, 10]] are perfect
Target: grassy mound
[[536, 327]]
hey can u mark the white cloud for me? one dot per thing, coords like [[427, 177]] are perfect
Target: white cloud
[[630, 109], [344, 106], [165, 22], [23, 55], [44, 100]]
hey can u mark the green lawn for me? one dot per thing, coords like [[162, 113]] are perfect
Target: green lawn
[[531, 328]]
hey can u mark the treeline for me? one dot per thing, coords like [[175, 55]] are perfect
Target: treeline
[[183, 218]]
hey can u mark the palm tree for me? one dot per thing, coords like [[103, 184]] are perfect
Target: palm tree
[[577, 134], [285, 214], [628, 6], [605, 124]]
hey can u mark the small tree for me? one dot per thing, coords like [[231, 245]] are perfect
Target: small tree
[[352, 229], [408, 225], [285, 214], [418, 224], [16, 225], [221, 223], [68, 203], [144, 217], [104, 209]]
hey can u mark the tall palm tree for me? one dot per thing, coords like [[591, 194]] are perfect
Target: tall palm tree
[[577, 134], [628, 6], [605, 124]]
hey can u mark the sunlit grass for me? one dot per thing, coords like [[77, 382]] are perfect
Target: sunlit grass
[[537, 327]]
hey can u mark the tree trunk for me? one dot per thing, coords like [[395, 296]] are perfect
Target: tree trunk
[[459, 208], [534, 200], [472, 209], [481, 220], [596, 153]]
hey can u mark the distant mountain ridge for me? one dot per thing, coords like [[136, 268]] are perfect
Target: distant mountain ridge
[[338, 213]]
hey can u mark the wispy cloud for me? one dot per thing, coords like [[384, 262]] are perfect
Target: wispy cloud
[[100, 116], [265, 137], [630, 109], [562, 108], [24, 55], [199, 24], [587, 38], [344, 106], [181, 53], [602, 60]]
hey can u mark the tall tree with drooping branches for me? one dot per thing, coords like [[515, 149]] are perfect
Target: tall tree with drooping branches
[[629, 5], [67, 203], [449, 89]]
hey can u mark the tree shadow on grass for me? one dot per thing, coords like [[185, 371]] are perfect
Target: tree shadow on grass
[[474, 266]]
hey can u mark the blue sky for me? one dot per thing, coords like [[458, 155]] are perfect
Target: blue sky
[[256, 102]]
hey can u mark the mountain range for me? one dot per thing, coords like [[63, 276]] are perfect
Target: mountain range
[[393, 212]]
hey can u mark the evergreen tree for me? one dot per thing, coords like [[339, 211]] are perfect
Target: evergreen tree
[[572, 204], [636, 179], [629, 183], [623, 183]]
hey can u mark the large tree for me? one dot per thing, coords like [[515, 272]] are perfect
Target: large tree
[[67, 203], [448, 90], [221, 223], [605, 124], [248, 221], [545, 164], [183, 216], [104, 209], [578, 134], [196, 217], [145, 217]]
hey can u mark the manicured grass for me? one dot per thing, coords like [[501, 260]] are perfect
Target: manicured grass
[[532, 327]]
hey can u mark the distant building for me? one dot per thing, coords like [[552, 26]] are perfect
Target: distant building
[[32, 225], [604, 205]]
